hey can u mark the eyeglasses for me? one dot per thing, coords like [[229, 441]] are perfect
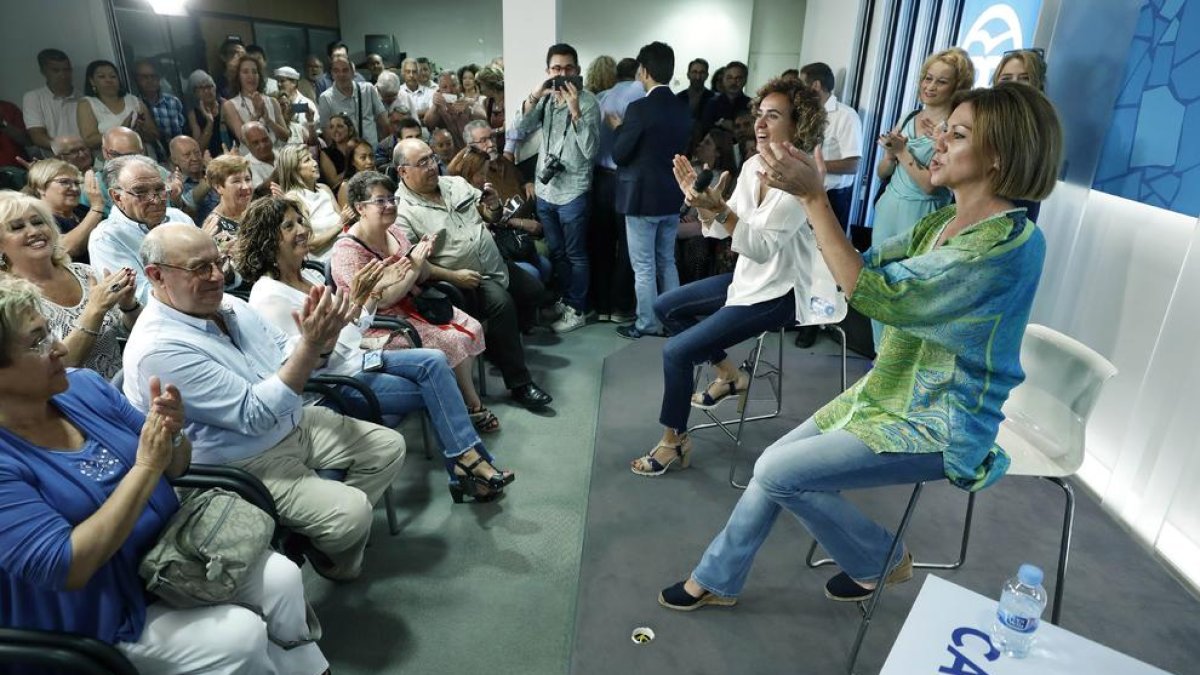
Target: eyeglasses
[[152, 195], [68, 182], [45, 344], [381, 202], [1041, 53], [204, 269], [426, 162], [76, 152]]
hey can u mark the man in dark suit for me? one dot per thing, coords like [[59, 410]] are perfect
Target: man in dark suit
[[654, 130]]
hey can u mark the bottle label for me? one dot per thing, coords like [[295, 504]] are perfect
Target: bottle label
[[1018, 623]]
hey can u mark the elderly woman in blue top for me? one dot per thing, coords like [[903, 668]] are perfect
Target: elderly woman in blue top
[[83, 494], [955, 295]]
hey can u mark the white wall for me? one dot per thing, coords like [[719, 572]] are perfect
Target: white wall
[[452, 34], [775, 37], [830, 28], [716, 30], [78, 27]]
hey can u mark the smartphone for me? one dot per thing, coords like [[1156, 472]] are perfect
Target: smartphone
[[299, 108], [373, 361], [560, 81], [450, 98]]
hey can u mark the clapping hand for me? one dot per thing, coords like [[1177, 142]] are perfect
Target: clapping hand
[[793, 171], [91, 187], [363, 284], [115, 288], [420, 252], [168, 404], [710, 199], [323, 316]]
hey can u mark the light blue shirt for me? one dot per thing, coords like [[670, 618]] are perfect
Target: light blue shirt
[[615, 101], [234, 403], [115, 243]]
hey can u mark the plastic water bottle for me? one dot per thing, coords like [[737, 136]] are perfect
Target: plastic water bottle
[[1020, 612]]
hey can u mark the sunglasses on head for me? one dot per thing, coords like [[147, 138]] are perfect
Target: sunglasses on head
[[1041, 53]]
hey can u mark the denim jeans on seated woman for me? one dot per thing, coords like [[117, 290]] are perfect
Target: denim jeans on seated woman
[[695, 340], [421, 379], [805, 472]]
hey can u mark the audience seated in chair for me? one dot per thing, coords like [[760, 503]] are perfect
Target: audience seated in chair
[[270, 253], [84, 494], [61, 187], [91, 311], [246, 410], [455, 214]]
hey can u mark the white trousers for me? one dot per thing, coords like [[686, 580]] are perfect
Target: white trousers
[[232, 640]]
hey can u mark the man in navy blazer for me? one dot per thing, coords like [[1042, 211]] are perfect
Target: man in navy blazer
[[654, 130]]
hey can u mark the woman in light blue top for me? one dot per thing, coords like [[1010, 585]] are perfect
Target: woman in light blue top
[[910, 195]]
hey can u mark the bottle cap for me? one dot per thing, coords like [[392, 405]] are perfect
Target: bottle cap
[[1030, 575]]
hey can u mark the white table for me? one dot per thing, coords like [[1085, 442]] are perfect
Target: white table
[[949, 627]]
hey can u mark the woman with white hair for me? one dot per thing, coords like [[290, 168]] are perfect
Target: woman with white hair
[[302, 106], [204, 119], [87, 311]]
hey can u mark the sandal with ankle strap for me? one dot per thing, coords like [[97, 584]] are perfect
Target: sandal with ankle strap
[[683, 455], [479, 488], [703, 400], [484, 420]]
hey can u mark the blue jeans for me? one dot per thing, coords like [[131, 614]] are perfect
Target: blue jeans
[[805, 472], [542, 272], [652, 255], [565, 228], [696, 340], [421, 379]]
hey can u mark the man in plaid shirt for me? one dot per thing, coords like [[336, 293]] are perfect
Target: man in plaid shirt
[[168, 111]]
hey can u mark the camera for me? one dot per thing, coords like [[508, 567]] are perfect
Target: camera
[[560, 82], [552, 168]]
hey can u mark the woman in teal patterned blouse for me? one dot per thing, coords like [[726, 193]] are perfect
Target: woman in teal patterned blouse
[[955, 295]]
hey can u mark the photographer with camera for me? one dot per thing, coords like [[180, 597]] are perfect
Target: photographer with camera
[[569, 117]]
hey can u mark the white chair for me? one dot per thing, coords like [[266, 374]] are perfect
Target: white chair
[[1045, 420], [758, 367]]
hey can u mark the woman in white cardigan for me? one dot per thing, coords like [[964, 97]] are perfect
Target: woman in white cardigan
[[780, 277]]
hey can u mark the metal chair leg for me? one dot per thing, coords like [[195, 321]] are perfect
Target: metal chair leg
[[1064, 547], [481, 389], [744, 399], [391, 511], [873, 604], [426, 439]]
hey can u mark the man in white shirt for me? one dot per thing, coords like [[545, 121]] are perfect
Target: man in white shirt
[[139, 198], [50, 110], [242, 382], [262, 153], [842, 147], [359, 100], [418, 97]]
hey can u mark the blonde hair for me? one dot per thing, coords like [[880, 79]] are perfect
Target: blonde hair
[[222, 167], [287, 167], [1017, 127], [43, 171], [14, 205], [1035, 67], [18, 299], [601, 74], [959, 61]]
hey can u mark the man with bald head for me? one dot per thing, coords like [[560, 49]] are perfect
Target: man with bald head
[[73, 151], [465, 255], [190, 161], [243, 382], [262, 152], [138, 192]]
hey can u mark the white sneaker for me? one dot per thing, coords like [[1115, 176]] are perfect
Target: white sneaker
[[570, 320], [560, 308]]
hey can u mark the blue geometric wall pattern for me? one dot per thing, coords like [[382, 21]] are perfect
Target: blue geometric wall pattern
[[1152, 151]]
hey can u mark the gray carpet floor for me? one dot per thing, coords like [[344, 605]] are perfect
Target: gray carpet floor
[[643, 534]]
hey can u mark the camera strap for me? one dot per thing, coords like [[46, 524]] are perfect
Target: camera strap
[[548, 125]]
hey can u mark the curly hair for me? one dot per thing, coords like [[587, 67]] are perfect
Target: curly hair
[[807, 112], [490, 78], [959, 61], [601, 74], [256, 250]]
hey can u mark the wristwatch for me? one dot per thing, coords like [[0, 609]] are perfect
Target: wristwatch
[[723, 216]]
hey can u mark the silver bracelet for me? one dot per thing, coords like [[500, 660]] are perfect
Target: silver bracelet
[[89, 331]]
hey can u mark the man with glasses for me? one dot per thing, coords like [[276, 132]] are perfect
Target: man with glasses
[[167, 110], [125, 142], [569, 117], [73, 151], [199, 199], [243, 381], [139, 197], [465, 255]]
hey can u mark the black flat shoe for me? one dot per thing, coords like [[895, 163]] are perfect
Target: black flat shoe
[[678, 599], [531, 396], [806, 336], [843, 588]]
